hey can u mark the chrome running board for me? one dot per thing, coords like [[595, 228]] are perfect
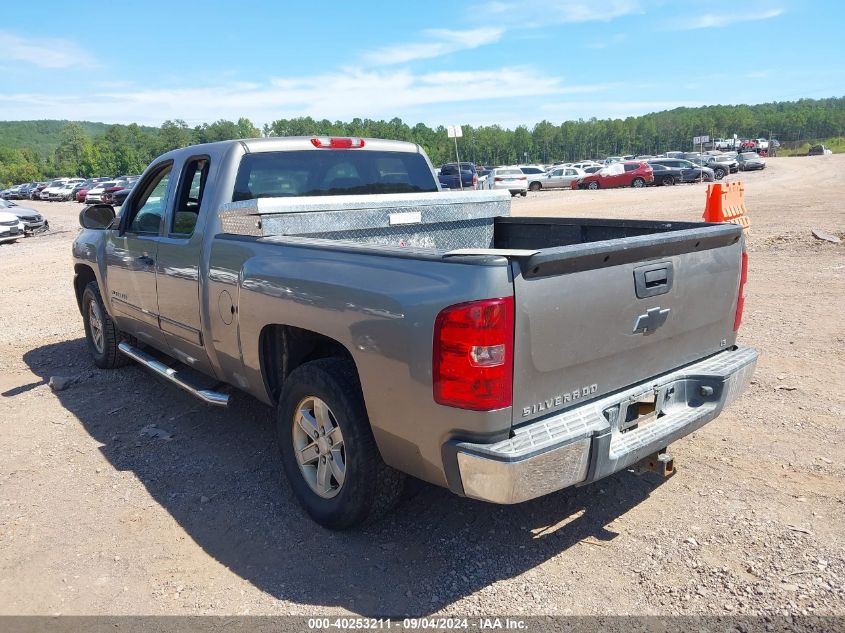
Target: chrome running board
[[168, 373]]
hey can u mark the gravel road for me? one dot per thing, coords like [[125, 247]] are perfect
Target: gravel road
[[122, 495]]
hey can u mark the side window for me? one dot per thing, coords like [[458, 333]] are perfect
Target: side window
[[631, 166], [148, 208], [189, 199]]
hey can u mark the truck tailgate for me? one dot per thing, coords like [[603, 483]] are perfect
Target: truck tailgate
[[595, 317]]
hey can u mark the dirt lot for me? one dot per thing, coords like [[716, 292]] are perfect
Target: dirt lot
[[97, 517]]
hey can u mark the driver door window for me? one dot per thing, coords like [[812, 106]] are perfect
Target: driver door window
[[148, 208]]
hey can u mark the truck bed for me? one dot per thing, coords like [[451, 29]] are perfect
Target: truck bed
[[601, 304]]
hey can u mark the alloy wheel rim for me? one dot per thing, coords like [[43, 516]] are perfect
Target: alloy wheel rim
[[319, 447], [95, 319]]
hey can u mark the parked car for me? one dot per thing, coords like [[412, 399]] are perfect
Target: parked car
[[26, 191], [13, 193], [557, 178], [447, 360], [819, 150], [86, 185], [665, 175], [11, 227], [111, 195], [512, 179], [532, 170], [724, 143], [35, 194], [749, 161], [454, 177], [692, 170], [628, 174], [722, 165], [485, 178], [32, 220], [63, 193], [52, 187], [95, 194]]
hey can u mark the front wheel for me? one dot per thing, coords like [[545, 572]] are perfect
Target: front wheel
[[593, 185], [328, 450], [638, 183], [523, 193], [719, 174], [101, 333]]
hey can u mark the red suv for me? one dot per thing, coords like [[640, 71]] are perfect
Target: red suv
[[628, 174]]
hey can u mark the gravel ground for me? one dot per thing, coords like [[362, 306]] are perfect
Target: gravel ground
[[100, 513]]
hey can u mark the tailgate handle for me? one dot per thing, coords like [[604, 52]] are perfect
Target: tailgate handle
[[653, 279]]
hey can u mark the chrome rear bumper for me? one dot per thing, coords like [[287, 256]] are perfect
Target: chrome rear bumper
[[586, 443]]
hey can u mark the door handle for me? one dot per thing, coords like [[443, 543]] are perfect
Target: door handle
[[145, 260]]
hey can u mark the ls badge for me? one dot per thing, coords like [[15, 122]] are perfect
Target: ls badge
[[651, 320]]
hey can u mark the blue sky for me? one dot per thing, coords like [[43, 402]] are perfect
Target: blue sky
[[462, 61]]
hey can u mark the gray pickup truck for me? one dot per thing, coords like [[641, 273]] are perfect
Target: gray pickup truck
[[399, 329]]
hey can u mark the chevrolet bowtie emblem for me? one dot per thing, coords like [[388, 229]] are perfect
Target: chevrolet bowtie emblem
[[651, 320]]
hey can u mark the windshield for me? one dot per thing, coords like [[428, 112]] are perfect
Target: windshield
[[748, 155], [331, 173]]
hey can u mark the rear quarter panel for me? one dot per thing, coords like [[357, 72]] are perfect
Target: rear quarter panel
[[381, 309]]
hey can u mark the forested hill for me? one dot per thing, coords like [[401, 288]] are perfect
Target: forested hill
[[42, 137], [37, 149]]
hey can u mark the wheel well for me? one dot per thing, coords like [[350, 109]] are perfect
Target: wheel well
[[83, 275], [283, 348]]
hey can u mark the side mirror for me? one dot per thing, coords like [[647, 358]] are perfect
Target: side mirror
[[97, 216]]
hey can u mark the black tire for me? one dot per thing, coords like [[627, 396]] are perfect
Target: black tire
[[719, 174], [523, 193], [593, 184], [535, 186], [668, 181], [638, 183], [109, 357], [370, 488]]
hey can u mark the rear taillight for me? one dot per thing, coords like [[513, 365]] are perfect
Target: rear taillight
[[473, 355], [740, 301], [324, 142], [497, 179], [474, 179]]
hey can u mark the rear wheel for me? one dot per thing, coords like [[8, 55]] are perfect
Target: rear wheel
[[328, 451], [668, 180], [101, 333], [535, 186], [593, 185], [638, 183], [523, 193]]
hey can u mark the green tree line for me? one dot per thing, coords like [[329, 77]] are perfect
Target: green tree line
[[78, 148]]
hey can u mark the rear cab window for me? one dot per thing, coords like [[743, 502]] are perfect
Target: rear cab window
[[331, 172]]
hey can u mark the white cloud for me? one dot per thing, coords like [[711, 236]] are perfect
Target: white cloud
[[718, 20], [438, 42], [538, 13], [342, 94], [43, 52]]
